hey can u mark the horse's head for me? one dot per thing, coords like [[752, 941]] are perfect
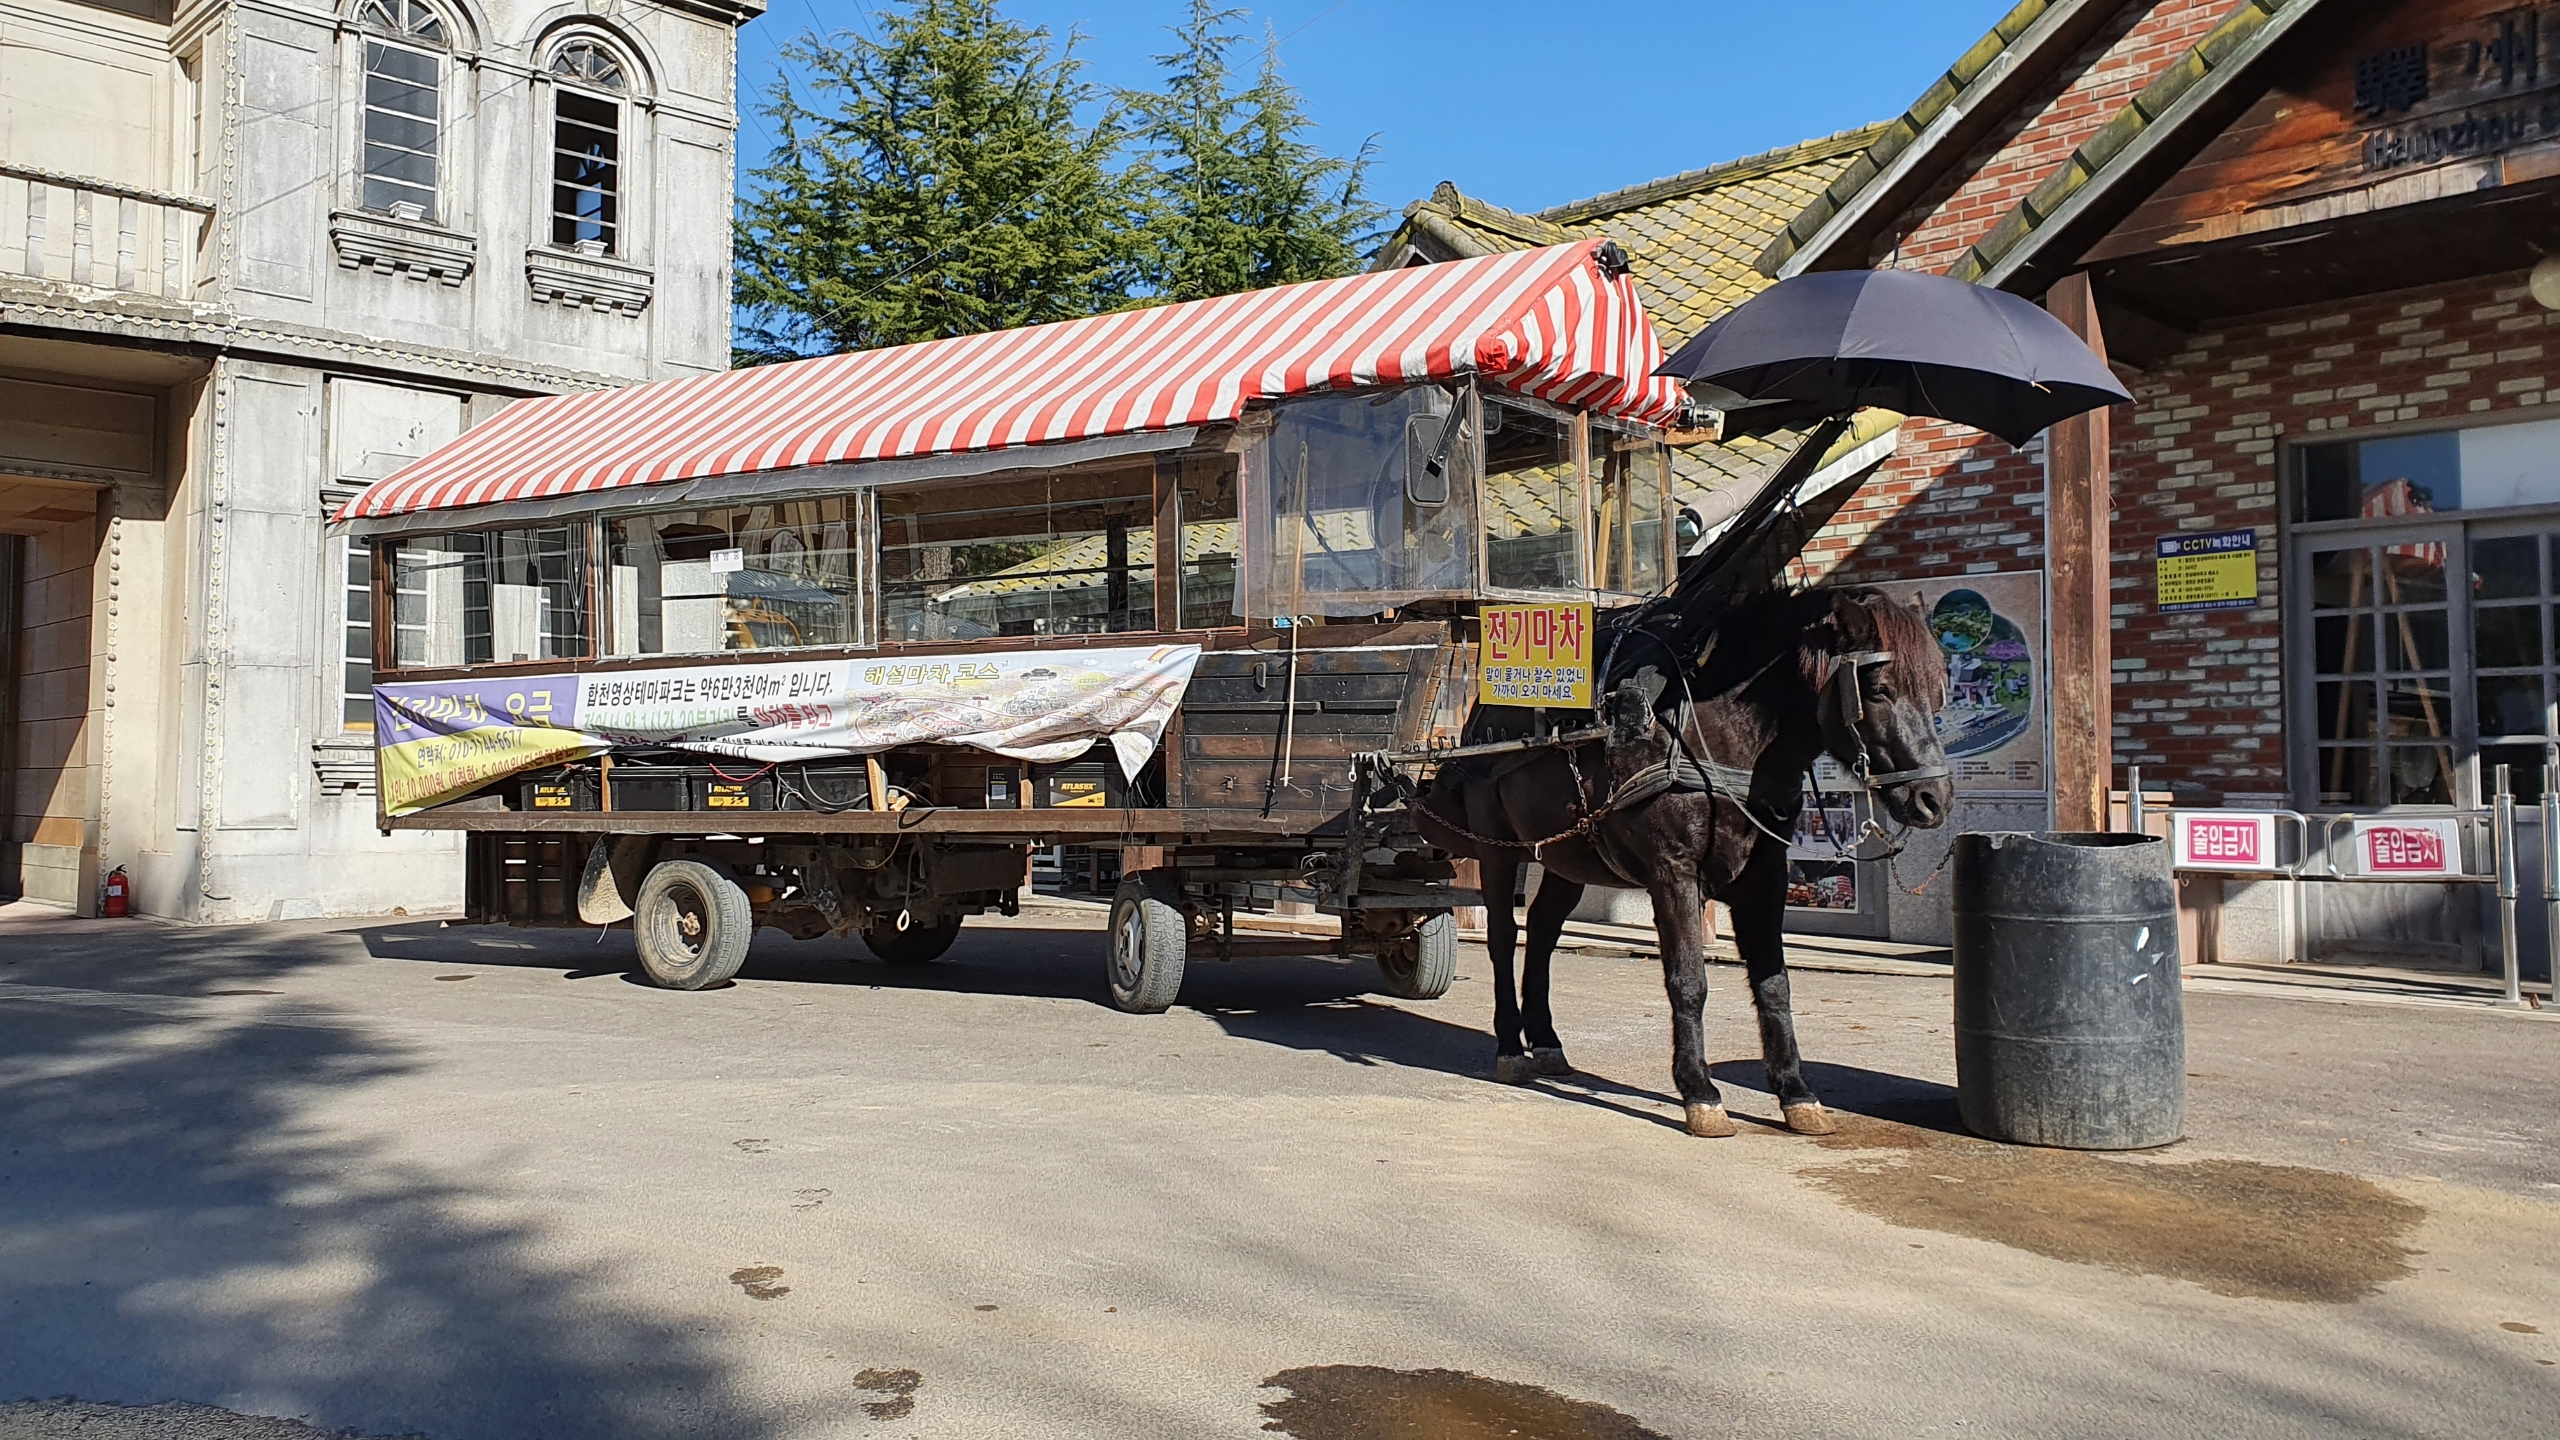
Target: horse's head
[[1878, 678]]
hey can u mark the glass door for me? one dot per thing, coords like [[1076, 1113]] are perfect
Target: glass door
[[2385, 716]]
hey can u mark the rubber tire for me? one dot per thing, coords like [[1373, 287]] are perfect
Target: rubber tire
[[915, 945], [729, 923], [1149, 941], [1423, 963]]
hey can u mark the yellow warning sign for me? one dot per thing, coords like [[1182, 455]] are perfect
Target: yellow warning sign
[[1535, 655]]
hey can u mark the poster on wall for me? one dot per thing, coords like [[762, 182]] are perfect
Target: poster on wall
[[1819, 876], [1991, 630]]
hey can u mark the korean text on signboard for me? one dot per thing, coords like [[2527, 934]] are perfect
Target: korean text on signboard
[[1535, 655], [2417, 848], [2209, 572], [2228, 840]]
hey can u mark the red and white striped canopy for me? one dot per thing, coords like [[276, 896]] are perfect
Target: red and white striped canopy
[[1546, 323]]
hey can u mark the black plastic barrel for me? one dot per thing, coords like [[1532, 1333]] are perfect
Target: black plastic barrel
[[2069, 1028]]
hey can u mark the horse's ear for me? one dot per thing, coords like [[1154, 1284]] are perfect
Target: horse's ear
[[1820, 645], [1631, 705]]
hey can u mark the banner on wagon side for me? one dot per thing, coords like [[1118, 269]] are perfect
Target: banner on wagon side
[[442, 739], [1535, 655]]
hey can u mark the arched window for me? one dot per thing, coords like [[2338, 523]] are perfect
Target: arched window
[[404, 48], [586, 148]]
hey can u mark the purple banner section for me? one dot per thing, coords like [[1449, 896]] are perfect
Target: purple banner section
[[440, 739]]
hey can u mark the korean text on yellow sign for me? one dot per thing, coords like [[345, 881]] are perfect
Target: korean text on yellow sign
[[1535, 655], [2209, 572]]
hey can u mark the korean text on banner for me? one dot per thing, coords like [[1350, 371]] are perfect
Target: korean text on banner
[[443, 739], [446, 738], [1535, 655]]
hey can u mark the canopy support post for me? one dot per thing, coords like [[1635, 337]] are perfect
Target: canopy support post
[[2080, 601]]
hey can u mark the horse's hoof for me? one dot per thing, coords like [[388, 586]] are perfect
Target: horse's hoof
[[1511, 1069], [1810, 1118], [1709, 1122], [1549, 1060]]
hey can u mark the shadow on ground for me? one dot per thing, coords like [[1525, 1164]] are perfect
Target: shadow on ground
[[174, 1225]]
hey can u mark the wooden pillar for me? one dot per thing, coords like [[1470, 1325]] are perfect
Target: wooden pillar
[[2076, 499]]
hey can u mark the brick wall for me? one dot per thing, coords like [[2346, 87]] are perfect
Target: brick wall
[[2199, 696]]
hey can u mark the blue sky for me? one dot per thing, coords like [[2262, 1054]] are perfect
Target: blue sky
[[1524, 104]]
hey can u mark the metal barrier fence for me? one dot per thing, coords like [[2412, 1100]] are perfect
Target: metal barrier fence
[[2392, 849]]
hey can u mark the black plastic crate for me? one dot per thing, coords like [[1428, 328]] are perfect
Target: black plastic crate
[[562, 790], [753, 791], [634, 788]]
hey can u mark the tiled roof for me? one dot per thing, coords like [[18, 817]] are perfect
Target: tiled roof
[[2243, 34], [1974, 69], [1693, 240]]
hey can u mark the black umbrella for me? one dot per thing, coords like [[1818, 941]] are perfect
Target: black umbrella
[[1835, 340]]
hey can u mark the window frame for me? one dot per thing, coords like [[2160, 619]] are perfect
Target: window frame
[[623, 98], [366, 32], [2458, 531]]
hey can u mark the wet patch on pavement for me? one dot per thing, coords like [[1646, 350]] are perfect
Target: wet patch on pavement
[[2236, 1227], [1369, 1402], [899, 1386], [758, 1281]]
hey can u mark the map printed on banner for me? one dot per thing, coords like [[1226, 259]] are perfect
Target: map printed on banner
[[443, 739]]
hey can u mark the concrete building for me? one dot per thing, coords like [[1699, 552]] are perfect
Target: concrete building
[[254, 256]]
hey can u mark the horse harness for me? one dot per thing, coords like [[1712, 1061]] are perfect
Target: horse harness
[[1683, 772]]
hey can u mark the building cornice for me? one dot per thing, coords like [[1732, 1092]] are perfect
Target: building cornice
[[48, 311]]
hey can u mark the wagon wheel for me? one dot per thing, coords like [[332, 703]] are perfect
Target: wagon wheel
[[691, 925], [1149, 942], [1421, 963]]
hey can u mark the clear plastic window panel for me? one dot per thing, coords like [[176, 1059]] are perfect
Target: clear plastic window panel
[[1335, 522], [1067, 554], [1210, 536], [1627, 503], [1533, 506], [504, 596], [771, 576]]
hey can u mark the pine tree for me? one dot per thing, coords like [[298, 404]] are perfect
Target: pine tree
[[1238, 198], [953, 175]]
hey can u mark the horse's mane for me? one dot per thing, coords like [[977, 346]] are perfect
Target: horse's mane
[[1919, 666], [1763, 627]]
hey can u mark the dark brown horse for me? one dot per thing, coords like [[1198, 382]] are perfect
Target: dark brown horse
[[1687, 795]]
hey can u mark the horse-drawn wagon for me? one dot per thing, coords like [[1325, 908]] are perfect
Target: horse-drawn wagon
[[831, 646]]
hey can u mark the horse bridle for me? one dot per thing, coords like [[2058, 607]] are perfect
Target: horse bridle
[[1853, 714]]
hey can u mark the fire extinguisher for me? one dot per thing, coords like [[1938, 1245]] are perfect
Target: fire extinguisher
[[118, 904]]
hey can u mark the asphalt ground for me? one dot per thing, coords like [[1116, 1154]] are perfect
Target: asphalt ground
[[401, 1179]]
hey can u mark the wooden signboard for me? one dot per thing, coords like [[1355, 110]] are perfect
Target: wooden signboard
[[2427, 98]]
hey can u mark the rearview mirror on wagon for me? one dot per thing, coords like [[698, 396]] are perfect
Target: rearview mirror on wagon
[[1429, 440]]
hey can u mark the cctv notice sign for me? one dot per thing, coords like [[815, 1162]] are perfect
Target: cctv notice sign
[[2209, 572], [1535, 655]]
